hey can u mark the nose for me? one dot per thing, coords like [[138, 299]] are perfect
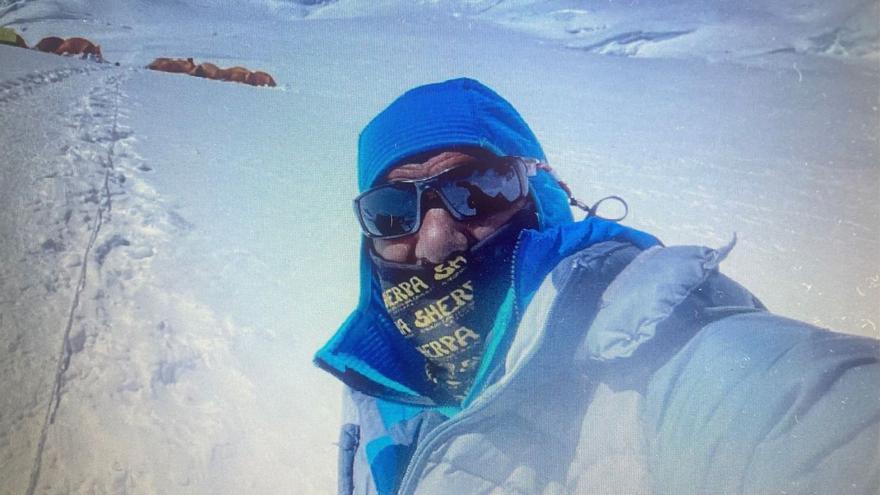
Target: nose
[[439, 236]]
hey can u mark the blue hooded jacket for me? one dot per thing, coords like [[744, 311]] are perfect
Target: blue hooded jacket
[[367, 353]]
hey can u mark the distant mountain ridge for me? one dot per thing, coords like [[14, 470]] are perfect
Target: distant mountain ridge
[[713, 30]]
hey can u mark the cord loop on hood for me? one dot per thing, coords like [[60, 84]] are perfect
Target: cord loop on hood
[[592, 211]]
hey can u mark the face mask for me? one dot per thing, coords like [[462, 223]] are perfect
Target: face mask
[[446, 311]]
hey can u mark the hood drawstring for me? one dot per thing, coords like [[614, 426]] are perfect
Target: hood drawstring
[[590, 210]]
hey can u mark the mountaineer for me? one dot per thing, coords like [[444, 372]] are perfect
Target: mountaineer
[[500, 346]]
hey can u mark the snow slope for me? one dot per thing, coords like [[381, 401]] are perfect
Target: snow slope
[[174, 249], [148, 389]]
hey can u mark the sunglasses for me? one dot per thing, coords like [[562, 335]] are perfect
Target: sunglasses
[[469, 191]]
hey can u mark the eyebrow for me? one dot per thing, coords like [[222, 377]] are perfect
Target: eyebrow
[[419, 167], [421, 175]]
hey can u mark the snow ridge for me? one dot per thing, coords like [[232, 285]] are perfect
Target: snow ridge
[[100, 100], [714, 30], [9, 6], [629, 43]]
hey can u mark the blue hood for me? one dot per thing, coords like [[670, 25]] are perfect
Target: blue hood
[[366, 352]]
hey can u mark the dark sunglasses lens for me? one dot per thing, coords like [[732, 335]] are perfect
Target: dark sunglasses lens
[[482, 189], [389, 211]]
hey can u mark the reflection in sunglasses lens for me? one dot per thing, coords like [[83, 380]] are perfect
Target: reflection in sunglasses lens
[[484, 191], [390, 210]]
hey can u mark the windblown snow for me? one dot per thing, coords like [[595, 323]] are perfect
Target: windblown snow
[[174, 249]]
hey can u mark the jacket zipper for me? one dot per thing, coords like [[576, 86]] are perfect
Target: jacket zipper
[[431, 438]]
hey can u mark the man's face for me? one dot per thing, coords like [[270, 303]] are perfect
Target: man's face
[[440, 234]]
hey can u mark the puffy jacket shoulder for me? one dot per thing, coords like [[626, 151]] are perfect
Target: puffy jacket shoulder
[[757, 403]]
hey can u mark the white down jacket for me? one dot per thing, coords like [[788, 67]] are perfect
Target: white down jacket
[[638, 373]]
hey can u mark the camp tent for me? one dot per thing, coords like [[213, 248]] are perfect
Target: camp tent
[[10, 37]]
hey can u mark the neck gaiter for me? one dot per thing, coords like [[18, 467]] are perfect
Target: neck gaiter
[[445, 311]]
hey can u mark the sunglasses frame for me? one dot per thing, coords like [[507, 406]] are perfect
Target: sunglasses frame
[[523, 167]]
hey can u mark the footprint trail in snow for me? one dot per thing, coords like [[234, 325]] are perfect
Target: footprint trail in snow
[[87, 338]]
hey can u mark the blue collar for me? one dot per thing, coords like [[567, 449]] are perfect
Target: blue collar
[[368, 355]]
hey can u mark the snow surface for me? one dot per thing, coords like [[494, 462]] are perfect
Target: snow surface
[[173, 250]]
